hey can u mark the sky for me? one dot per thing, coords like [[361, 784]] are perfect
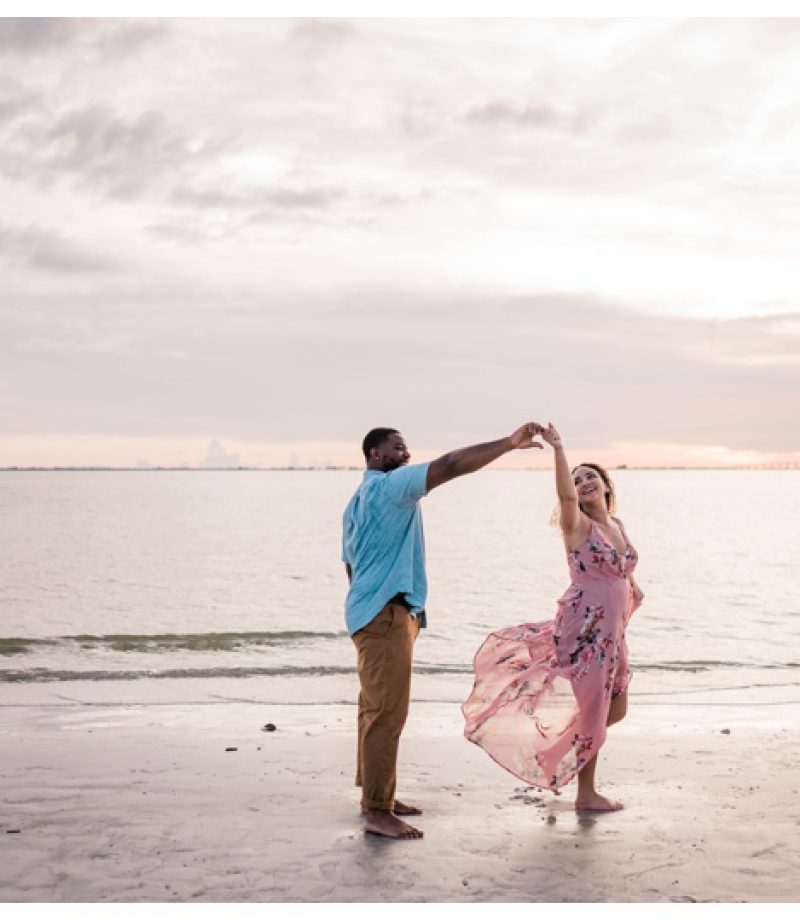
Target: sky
[[248, 241]]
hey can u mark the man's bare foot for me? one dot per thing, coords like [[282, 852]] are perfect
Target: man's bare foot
[[385, 824], [400, 809], [405, 810], [593, 801]]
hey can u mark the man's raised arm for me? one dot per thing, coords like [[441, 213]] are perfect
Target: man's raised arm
[[457, 463]]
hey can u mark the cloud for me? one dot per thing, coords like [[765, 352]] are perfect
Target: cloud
[[314, 37], [421, 116], [110, 37], [29, 36], [45, 249], [231, 208], [365, 256], [125, 156], [447, 370], [604, 371], [15, 99], [752, 342], [121, 157], [531, 115], [217, 458], [260, 199], [129, 38], [228, 210]]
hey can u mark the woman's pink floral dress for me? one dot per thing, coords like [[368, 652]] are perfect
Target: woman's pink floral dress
[[543, 690]]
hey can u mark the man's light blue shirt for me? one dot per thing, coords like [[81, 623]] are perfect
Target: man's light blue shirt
[[384, 545]]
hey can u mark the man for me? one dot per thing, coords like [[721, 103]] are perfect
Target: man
[[383, 552]]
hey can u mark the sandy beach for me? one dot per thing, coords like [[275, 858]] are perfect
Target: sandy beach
[[125, 791]]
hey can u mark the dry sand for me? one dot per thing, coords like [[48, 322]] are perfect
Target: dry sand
[[125, 792]]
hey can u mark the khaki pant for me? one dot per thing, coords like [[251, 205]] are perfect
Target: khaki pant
[[385, 648]]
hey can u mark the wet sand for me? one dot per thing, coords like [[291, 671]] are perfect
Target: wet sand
[[124, 791]]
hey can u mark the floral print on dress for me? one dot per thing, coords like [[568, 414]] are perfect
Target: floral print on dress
[[542, 690]]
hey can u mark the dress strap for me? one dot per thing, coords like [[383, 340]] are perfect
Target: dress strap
[[622, 530]]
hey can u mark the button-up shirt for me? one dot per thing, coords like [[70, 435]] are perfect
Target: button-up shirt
[[383, 544]]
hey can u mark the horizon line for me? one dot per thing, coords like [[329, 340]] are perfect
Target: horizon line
[[789, 465]]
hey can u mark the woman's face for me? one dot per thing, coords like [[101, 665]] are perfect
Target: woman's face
[[589, 485]]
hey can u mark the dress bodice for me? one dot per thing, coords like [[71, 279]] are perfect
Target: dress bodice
[[597, 558]]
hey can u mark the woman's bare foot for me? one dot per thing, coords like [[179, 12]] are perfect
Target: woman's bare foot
[[386, 824], [593, 801]]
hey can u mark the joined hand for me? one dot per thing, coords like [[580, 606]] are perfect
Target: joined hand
[[523, 437]]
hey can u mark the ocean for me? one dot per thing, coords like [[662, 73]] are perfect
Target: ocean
[[155, 575]]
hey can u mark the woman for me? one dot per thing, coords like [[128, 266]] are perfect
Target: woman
[[545, 692]]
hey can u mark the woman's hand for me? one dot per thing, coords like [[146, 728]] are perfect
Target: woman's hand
[[551, 436], [638, 594]]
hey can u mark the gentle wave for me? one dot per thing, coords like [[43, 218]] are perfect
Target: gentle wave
[[166, 642], [696, 666], [44, 675], [690, 666]]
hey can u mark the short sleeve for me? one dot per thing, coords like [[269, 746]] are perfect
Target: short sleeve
[[408, 484]]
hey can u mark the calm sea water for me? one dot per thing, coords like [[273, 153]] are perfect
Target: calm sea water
[[159, 575]]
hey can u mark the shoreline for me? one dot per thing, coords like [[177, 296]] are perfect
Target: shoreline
[[127, 793]]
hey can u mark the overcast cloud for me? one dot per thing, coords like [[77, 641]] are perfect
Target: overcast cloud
[[274, 234]]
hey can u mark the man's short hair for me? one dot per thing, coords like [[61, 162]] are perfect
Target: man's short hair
[[375, 438]]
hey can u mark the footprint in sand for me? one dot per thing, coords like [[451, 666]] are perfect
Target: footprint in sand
[[328, 870]]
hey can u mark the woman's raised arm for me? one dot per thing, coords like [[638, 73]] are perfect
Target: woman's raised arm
[[570, 517]]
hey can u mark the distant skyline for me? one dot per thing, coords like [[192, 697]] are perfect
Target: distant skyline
[[252, 240]]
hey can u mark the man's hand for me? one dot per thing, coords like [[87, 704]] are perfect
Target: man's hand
[[523, 438]]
